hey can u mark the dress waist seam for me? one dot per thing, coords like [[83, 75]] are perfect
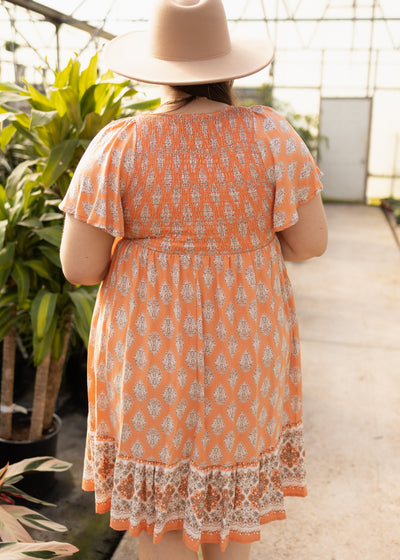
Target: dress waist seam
[[144, 245]]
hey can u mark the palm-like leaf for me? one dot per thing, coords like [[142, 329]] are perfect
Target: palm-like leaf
[[38, 550]]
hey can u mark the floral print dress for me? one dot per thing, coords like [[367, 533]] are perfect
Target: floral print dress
[[194, 380]]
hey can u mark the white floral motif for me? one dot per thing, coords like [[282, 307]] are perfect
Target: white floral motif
[[153, 308], [220, 395], [187, 292], [242, 423], [152, 437], [169, 395], [167, 327], [208, 311], [215, 455], [154, 407], [140, 391], [218, 425], [189, 325], [154, 342], [246, 361], [139, 421], [154, 376], [243, 329], [141, 324], [306, 170], [169, 362], [244, 393]]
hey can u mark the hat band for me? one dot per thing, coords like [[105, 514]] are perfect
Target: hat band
[[191, 59]]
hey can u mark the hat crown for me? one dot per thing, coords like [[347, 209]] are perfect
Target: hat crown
[[189, 30]]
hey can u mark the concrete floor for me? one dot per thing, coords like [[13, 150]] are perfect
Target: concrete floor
[[348, 303]]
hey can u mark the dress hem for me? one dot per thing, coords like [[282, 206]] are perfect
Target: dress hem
[[178, 524]]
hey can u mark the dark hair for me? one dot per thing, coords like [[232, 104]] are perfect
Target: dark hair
[[219, 91]]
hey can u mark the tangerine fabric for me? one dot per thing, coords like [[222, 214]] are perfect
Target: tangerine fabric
[[195, 404]]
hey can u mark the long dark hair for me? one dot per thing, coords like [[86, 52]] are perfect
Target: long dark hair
[[219, 91]]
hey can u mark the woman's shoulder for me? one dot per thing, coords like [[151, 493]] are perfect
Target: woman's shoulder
[[119, 130], [270, 119]]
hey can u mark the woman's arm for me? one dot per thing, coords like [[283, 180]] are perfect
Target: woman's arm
[[85, 252], [309, 236]]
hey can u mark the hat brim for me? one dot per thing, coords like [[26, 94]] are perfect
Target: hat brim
[[130, 55]]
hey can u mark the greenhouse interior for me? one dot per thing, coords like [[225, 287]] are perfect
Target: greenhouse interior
[[335, 77], [336, 61]]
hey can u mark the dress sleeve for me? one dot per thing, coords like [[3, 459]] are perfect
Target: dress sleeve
[[96, 192], [291, 171]]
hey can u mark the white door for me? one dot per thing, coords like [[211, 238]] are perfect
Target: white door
[[343, 159]]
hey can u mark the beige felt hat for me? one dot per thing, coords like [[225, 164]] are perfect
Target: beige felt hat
[[188, 43]]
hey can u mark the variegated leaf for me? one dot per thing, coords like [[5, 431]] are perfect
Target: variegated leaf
[[39, 550], [33, 519], [11, 529], [38, 464]]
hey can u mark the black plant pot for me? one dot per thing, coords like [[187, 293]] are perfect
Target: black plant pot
[[35, 483]]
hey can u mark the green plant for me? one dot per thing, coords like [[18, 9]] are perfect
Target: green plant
[[307, 126], [16, 541], [44, 137]]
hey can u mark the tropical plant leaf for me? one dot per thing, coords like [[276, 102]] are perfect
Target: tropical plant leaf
[[52, 216], [52, 254], [51, 234], [42, 346], [33, 519], [59, 160], [6, 327], [39, 550], [42, 312], [3, 474], [9, 97], [3, 199], [39, 101], [10, 528], [40, 268], [148, 105], [66, 101], [41, 118], [9, 298], [58, 343], [6, 263], [6, 116], [9, 86], [92, 124], [62, 76], [14, 492], [3, 229], [21, 276], [88, 76], [6, 135], [17, 175], [32, 223], [84, 304], [42, 464]]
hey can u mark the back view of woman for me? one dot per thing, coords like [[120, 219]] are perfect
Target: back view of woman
[[186, 215]]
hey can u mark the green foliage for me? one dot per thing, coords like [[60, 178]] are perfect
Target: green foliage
[[43, 137], [14, 519], [307, 126]]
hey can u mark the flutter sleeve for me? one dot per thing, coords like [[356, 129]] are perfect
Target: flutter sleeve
[[96, 193], [290, 168]]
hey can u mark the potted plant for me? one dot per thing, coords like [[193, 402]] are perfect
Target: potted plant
[[50, 129], [16, 543]]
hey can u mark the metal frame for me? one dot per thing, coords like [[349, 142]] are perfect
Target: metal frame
[[274, 13]]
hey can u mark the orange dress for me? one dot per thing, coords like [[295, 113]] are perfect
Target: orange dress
[[195, 404]]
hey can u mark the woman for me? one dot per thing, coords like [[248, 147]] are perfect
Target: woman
[[186, 216]]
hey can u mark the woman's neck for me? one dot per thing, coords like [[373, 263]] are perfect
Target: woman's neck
[[175, 101]]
